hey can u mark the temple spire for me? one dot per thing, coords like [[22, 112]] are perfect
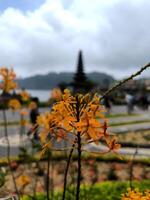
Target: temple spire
[[80, 62], [80, 75], [81, 83]]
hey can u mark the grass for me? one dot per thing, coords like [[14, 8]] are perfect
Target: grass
[[58, 156], [105, 190], [122, 115], [129, 122], [15, 123], [10, 123]]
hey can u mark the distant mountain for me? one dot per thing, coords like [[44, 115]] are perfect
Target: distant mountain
[[52, 80]]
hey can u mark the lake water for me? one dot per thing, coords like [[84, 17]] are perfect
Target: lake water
[[43, 95]]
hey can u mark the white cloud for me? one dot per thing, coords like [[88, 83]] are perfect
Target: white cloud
[[114, 35]]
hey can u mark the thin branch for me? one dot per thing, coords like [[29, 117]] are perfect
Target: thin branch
[[66, 171], [79, 151], [79, 167], [8, 153], [132, 166], [125, 80]]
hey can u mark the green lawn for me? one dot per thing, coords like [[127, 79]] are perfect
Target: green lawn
[[129, 122], [101, 191], [122, 115]]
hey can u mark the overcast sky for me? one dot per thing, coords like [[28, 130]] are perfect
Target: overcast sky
[[39, 36]]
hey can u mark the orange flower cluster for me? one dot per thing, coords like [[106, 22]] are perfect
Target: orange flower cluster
[[79, 114], [49, 128], [23, 180], [56, 94], [8, 79], [23, 112], [32, 105], [14, 104], [24, 95], [136, 195]]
